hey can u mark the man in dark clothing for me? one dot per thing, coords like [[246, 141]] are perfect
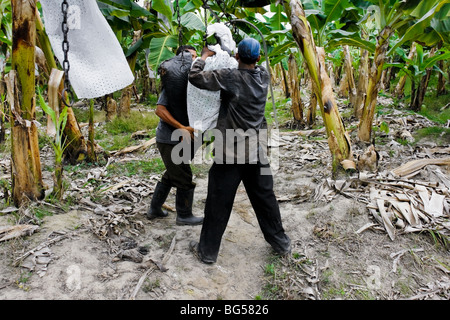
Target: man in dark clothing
[[241, 121], [172, 111]]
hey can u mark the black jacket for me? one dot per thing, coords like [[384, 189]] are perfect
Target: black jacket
[[174, 77], [241, 116]]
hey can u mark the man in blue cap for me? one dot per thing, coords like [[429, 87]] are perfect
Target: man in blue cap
[[239, 155]]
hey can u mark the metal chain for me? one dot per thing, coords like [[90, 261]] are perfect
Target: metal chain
[[65, 48], [229, 18], [180, 29], [205, 36]]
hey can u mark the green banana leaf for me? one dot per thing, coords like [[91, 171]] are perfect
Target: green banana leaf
[[160, 50], [418, 28], [133, 8], [163, 7]]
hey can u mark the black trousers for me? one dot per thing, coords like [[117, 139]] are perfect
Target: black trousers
[[223, 181], [176, 175]]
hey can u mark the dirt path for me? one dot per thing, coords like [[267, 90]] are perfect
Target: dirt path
[[342, 264], [82, 266]]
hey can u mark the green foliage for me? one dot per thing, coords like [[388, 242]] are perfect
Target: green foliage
[[115, 142], [162, 49], [439, 135], [384, 127], [137, 168], [5, 26], [283, 107], [60, 123], [421, 16], [434, 108], [137, 121], [116, 134], [159, 26], [417, 67]]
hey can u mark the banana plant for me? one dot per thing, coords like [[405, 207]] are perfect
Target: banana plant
[[191, 25], [338, 139], [59, 144], [5, 26], [5, 48], [129, 21], [391, 16], [431, 24], [333, 24], [418, 69], [173, 30], [2, 117], [25, 158]]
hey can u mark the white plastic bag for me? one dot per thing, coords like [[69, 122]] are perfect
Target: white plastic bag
[[203, 105], [98, 65]]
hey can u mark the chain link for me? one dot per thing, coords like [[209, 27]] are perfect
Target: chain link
[[65, 48], [205, 36], [180, 29], [229, 18]]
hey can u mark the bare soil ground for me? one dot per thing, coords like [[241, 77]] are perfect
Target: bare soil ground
[[150, 260]]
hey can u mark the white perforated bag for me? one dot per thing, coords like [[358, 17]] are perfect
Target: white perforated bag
[[98, 65], [203, 105]]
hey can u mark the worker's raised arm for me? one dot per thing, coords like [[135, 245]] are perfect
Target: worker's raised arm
[[213, 80]]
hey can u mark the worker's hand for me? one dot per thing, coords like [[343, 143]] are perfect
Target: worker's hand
[[187, 134], [207, 53]]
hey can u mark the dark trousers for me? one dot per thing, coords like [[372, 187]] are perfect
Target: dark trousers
[[176, 175], [223, 181]]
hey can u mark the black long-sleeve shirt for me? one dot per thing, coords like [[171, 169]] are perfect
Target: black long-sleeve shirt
[[241, 116]]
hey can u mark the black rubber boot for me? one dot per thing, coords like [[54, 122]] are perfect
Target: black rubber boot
[[193, 246], [159, 197], [183, 203]]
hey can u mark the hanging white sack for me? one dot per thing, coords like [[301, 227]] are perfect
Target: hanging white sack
[[98, 65], [203, 105]]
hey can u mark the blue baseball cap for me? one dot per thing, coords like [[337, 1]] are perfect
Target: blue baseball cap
[[249, 49]]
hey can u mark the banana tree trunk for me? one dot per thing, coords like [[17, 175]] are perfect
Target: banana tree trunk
[[145, 84], [285, 86], [25, 158], [92, 157], [312, 108], [418, 93], [76, 149], [448, 72], [2, 112], [441, 90], [388, 78], [362, 84], [348, 65], [111, 107], [375, 72], [343, 91], [338, 139], [311, 113], [400, 87], [53, 130], [43, 42], [294, 89], [124, 107]]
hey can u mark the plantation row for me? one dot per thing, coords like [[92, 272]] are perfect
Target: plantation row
[[353, 49]]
